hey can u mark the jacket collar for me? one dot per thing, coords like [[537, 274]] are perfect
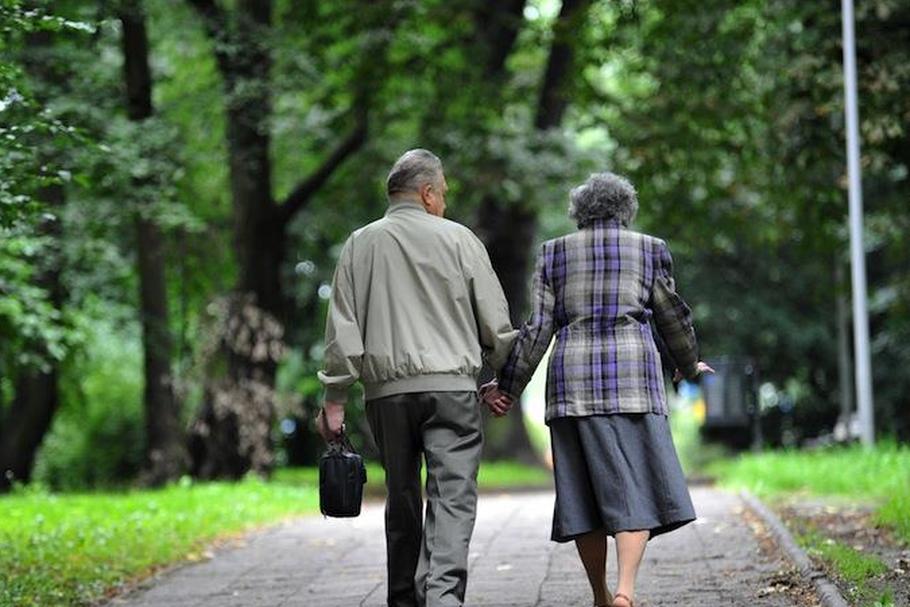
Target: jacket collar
[[611, 222], [400, 205]]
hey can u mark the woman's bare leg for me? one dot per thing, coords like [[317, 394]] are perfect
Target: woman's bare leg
[[630, 547], [592, 548]]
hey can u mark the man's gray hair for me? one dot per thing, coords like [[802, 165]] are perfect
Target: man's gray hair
[[414, 169], [603, 196]]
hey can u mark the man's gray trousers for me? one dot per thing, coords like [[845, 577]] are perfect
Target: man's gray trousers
[[428, 562]]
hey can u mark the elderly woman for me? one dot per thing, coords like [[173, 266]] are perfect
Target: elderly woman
[[597, 290]]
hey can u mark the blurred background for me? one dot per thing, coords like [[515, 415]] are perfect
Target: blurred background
[[177, 177]]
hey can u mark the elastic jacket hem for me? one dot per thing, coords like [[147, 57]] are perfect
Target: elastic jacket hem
[[433, 382]]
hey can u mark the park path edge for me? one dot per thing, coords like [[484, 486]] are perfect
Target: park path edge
[[828, 593]]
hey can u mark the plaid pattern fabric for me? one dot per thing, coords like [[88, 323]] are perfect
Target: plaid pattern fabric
[[597, 290]]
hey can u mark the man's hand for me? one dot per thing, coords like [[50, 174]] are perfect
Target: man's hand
[[701, 368], [330, 421], [496, 401]]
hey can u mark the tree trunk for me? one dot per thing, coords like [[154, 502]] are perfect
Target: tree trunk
[[36, 395], [498, 24], [232, 431], [34, 404], [508, 227], [166, 457], [554, 94]]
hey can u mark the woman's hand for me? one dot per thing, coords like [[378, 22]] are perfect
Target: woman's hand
[[700, 369]]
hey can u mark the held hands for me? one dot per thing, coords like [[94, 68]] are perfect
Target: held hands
[[701, 369], [496, 401], [330, 421]]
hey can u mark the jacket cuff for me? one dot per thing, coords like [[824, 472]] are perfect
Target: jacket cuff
[[508, 388], [691, 371], [336, 394]]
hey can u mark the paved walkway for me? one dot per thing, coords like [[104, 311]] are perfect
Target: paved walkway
[[316, 562]]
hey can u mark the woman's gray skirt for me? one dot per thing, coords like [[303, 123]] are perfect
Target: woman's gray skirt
[[617, 472]]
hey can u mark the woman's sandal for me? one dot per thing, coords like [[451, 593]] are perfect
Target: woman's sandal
[[620, 595]]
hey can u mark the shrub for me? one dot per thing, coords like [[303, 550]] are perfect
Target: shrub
[[97, 437]]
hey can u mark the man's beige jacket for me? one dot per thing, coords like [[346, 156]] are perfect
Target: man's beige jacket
[[415, 306]]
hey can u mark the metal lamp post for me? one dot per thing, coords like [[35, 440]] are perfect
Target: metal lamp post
[[857, 250]]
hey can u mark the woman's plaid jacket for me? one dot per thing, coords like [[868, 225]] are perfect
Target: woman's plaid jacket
[[597, 290]]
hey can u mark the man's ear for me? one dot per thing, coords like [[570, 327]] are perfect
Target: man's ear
[[425, 196]]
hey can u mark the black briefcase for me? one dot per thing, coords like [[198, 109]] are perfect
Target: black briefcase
[[342, 475]]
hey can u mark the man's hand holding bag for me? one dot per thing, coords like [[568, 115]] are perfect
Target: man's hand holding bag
[[342, 473]]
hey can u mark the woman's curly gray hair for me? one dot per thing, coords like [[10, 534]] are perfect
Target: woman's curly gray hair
[[603, 196]]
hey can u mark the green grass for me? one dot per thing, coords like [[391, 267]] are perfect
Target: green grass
[[71, 549], [511, 475], [309, 477], [492, 475], [853, 566], [880, 475]]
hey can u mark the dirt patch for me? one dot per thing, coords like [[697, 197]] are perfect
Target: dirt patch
[[786, 580], [853, 525]]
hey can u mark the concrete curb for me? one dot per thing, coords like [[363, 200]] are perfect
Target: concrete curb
[[828, 593]]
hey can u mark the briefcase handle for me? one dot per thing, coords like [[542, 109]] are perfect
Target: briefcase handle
[[342, 443]]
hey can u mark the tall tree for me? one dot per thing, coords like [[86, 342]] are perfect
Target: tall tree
[[36, 391], [166, 453], [232, 431]]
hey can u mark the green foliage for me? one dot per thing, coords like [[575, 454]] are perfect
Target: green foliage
[[24, 121], [41, 140], [97, 438], [27, 316], [36, 332], [728, 118]]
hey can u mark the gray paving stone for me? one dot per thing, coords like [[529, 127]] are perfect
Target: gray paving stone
[[317, 562]]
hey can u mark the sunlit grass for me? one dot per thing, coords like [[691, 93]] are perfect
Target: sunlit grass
[[880, 475], [71, 549]]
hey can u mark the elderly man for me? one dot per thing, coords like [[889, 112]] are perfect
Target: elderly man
[[415, 307]]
